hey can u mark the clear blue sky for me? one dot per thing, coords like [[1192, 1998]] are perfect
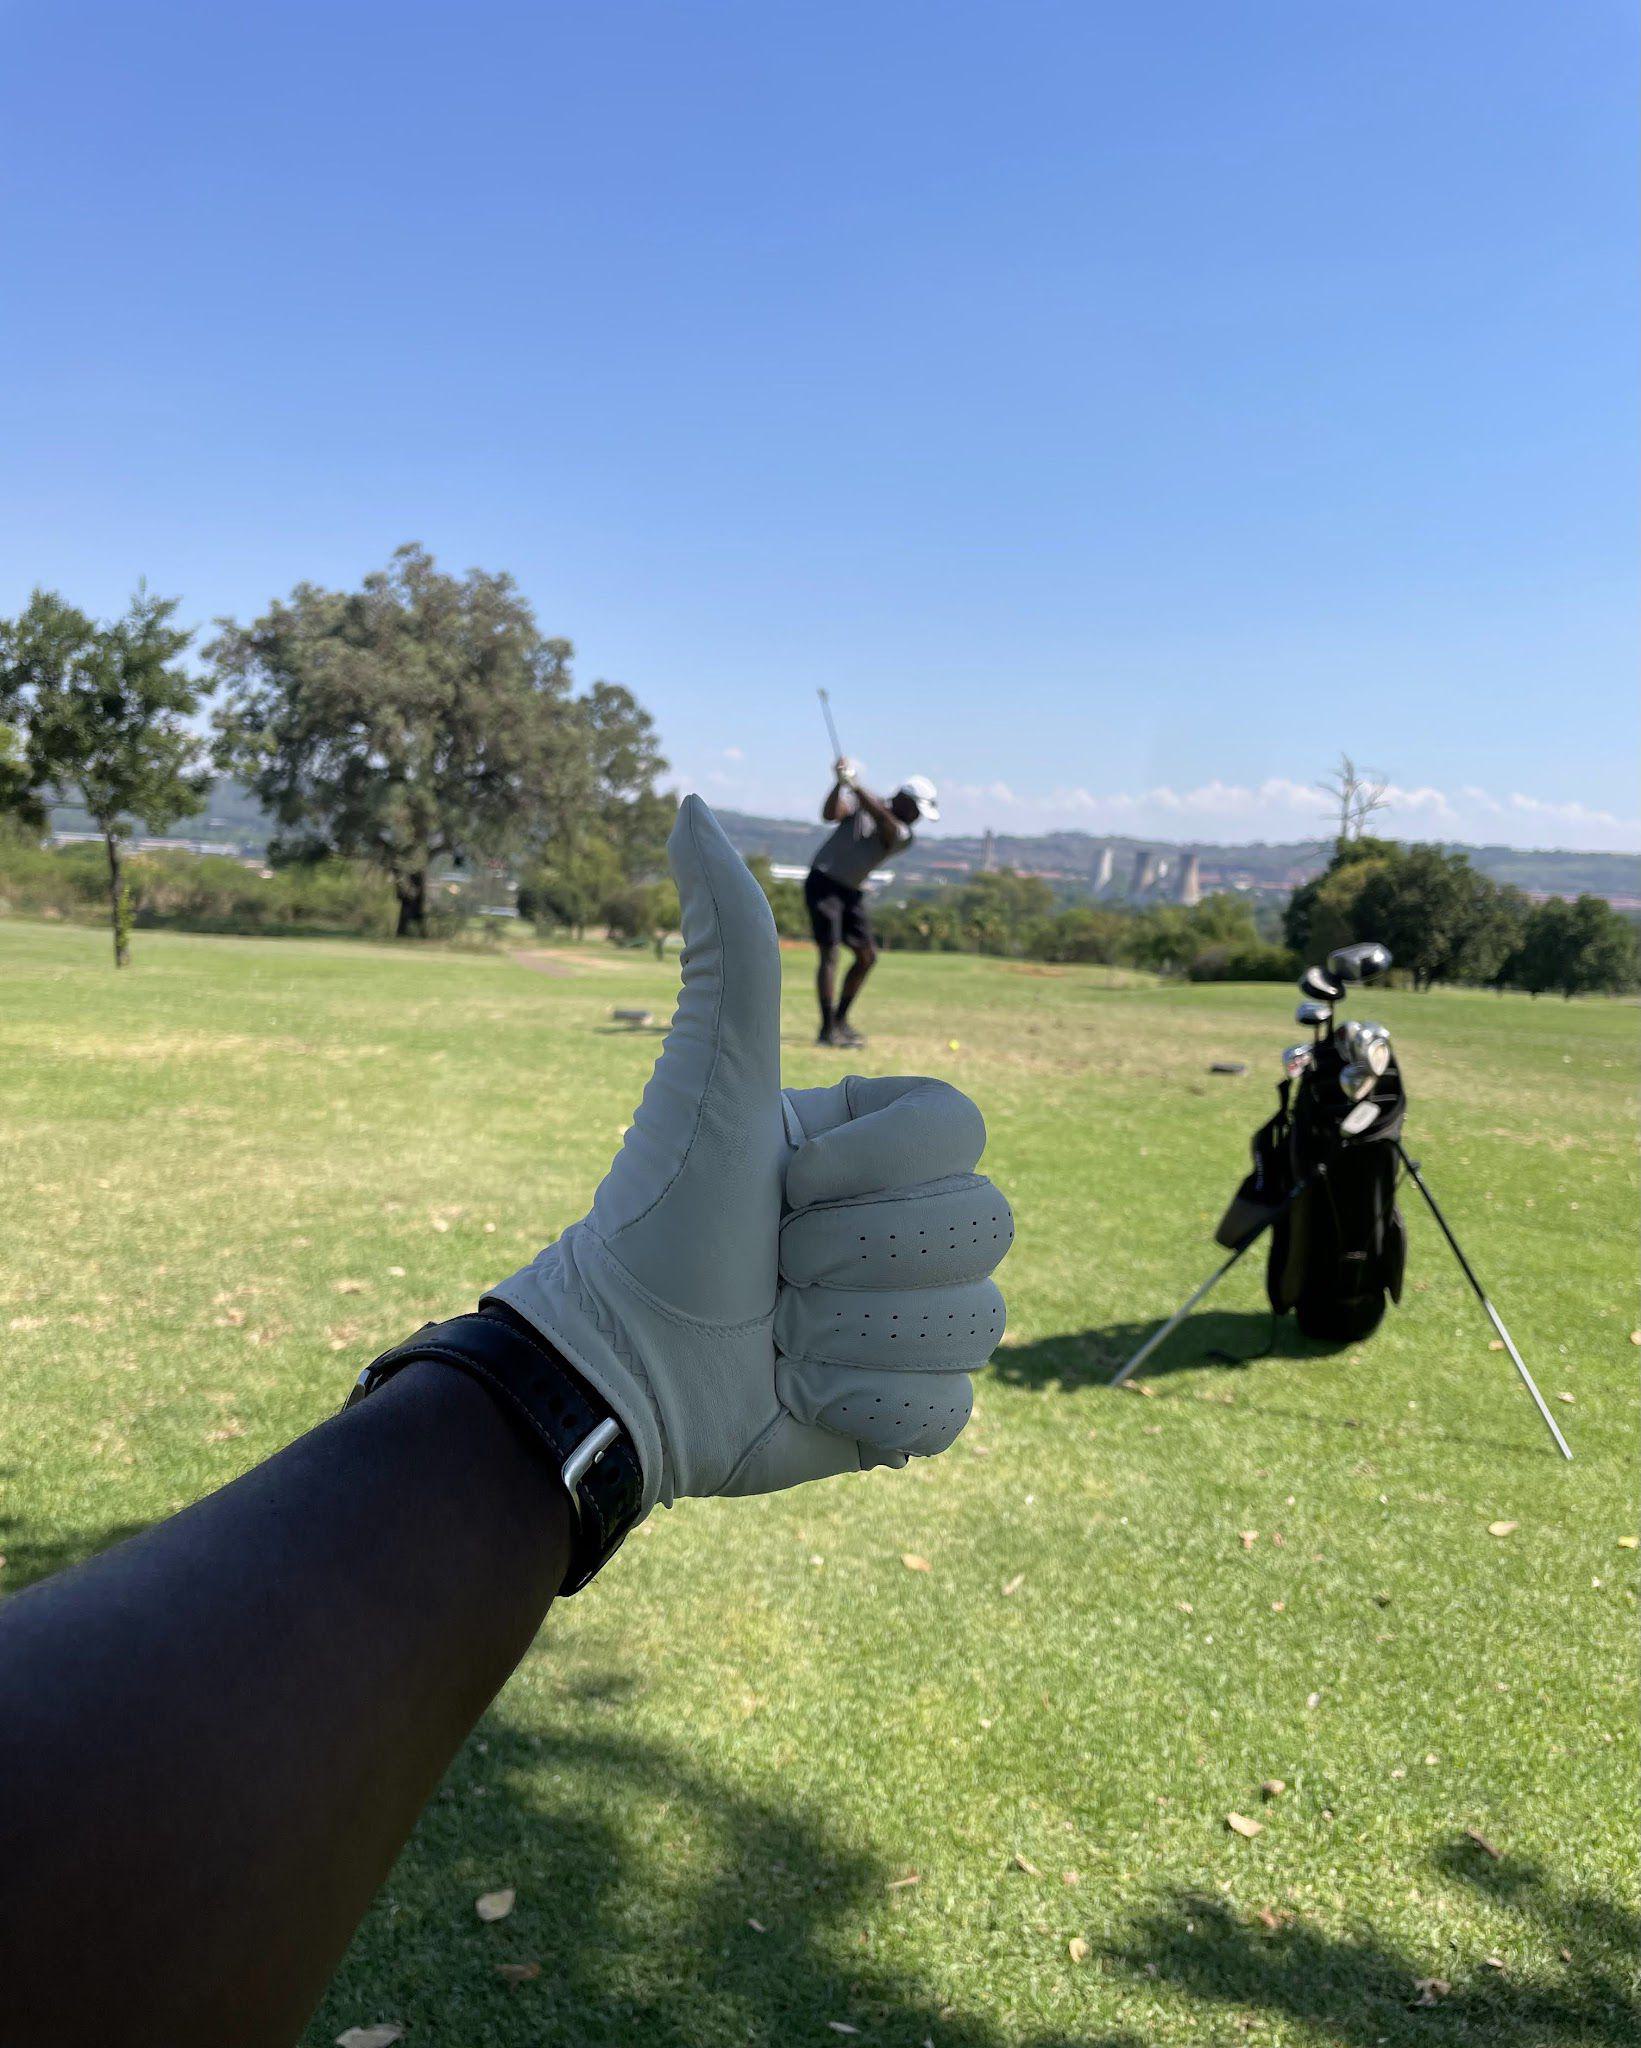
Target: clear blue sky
[[1122, 407]]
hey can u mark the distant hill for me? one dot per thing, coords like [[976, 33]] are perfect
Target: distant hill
[[1072, 861]]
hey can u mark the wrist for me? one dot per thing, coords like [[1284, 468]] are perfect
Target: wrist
[[555, 1415]]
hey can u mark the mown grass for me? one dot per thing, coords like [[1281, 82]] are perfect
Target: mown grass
[[241, 1168]]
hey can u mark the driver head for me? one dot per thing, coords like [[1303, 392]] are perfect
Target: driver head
[[1360, 962]]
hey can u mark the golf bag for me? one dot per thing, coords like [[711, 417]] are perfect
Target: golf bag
[[1338, 1245]]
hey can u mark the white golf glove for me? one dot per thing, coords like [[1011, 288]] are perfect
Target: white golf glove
[[773, 1287], [847, 771]]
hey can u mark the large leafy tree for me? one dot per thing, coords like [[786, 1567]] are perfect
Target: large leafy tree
[[1582, 948], [424, 717], [103, 710]]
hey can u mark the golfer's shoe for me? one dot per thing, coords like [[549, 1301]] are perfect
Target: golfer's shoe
[[828, 1035], [847, 1035]]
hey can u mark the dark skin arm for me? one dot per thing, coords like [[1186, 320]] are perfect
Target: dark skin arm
[[835, 808], [216, 1738]]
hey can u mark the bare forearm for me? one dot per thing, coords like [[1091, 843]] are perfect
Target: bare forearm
[[216, 1738]]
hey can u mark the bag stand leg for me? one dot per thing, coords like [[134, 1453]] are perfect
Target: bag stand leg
[[1481, 1295], [1175, 1320]]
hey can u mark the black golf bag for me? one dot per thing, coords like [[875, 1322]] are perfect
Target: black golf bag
[[1338, 1243]]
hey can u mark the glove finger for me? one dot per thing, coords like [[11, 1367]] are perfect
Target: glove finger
[[898, 1132], [925, 1329], [930, 1236], [795, 1451], [888, 1413]]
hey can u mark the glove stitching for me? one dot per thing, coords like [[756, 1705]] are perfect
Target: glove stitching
[[681, 1317], [877, 1366], [965, 1183]]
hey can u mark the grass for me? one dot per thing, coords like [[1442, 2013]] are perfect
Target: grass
[[246, 1165]]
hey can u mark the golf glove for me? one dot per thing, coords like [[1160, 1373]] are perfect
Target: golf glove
[[772, 1287]]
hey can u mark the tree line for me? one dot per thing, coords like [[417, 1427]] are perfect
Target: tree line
[[419, 722]]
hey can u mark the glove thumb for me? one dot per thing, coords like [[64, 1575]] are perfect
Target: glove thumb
[[692, 1204]]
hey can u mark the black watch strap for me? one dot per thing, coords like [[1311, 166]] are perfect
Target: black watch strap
[[568, 1421]]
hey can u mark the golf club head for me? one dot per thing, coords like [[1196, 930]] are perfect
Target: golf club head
[[1295, 1059], [1361, 962], [1318, 1015], [1355, 1121], [1371, 1045], [1356, 1080], [1321, 986]]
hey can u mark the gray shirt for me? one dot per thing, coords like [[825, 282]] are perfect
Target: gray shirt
[[854, 848]]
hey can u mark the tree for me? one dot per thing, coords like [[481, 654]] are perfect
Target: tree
[[104, 709], [1357, 793], [1321, 913], [1582, 948], [422, 717], [1418, 903]]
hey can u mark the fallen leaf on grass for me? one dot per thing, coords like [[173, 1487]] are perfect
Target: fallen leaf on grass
[[370, 2037], [1268, 1920], [1239, 1824], [1502, 1528], [1078, 1949], [1138, 1387], [914, 1563], [1635, 1336], [1492, 1962], [842, 2027], [1431, 1990], [1273, 1788], [1014, 1584], [1249, 1538], [1313, 1699], [517, 1973], [757, 1927], [1475, 1835], [348, 1287], [495, 1905], [1071, 1877], [1025, 1863], [1629, 1542], [899, 1884], [1495, 1343]]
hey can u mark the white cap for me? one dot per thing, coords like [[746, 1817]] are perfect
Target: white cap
[[922, 792]]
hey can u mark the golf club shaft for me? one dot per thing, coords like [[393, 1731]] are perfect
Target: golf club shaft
[[831, 729], [1493, 1315], [1179, 1316]]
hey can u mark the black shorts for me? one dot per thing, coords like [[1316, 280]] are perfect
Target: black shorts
[[837, 914]]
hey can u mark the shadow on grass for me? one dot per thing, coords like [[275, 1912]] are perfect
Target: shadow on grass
[[757, 1927], [1360, 1990], [1226, 1340], [31, 1555], [1230, 1338]]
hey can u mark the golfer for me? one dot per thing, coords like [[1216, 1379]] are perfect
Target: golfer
[[866, 832], [217, 1736]]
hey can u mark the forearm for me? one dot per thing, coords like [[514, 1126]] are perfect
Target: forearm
[[216, 1738], [880, 814]]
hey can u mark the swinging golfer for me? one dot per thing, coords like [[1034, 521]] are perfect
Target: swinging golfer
[[866, 832]]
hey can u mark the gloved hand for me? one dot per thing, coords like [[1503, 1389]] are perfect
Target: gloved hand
[[847, 771], [773, 1287]]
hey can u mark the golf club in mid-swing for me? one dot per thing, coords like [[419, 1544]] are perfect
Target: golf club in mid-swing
[[831, 729]]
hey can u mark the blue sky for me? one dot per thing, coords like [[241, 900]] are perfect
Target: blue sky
[[1120, 407]]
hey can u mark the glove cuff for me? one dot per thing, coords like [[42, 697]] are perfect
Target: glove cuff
[[554, 1295]]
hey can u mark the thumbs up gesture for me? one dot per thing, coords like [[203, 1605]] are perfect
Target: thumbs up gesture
[[772, 1287]]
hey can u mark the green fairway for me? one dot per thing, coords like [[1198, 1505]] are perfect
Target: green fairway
[[765, 1783]]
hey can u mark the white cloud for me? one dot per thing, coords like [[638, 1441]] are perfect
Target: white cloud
[[733, 754], [1281, 808]]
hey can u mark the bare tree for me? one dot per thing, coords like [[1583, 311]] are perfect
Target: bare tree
[[1357, 793]]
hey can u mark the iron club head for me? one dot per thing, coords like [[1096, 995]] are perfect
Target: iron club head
[[1295, 1059], [1356, 1080]]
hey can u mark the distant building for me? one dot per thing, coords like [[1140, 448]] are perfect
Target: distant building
[[988, 852], [1190, 880], [1100, 874]]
